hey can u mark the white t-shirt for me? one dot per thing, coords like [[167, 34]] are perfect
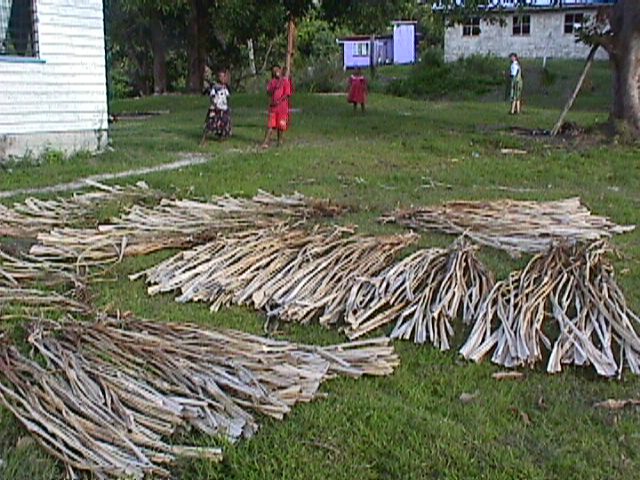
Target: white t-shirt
[[220, 97], [515, 68]]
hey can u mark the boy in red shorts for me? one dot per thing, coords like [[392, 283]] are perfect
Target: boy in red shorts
[[279, 90]]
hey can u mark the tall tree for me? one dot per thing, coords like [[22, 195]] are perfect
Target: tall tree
[[617, 30], [198, 31], [364, 16], [159, 52], [143, 25]]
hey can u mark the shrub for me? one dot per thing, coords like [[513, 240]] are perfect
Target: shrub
[[320, 75], [433, 78]]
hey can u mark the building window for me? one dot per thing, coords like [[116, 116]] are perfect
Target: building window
[[471, 27], [18, 33], [361, 49], [522, 24], [573, 22]]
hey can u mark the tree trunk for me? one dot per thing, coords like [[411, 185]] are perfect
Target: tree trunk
[[624, 52], [626, 104], [197, 52], [159, 50]]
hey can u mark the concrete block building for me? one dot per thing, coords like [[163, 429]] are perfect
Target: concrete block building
[[533, 29]]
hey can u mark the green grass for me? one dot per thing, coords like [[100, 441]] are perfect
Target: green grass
[[412, 424]]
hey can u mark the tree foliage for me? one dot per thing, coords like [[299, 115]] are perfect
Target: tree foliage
[[161, 45]]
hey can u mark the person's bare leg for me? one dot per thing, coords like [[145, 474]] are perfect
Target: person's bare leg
[[267, 138], [355, 107], [519, 106], [204, 139], [513, 108], [363, 107], [279, 137]]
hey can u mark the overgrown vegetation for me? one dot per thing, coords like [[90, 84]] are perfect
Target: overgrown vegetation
[[467, 78], [158, 46]]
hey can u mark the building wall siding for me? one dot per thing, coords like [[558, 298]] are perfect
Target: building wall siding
[[404, 44], [547, 38], [355, 61], [60, 103]]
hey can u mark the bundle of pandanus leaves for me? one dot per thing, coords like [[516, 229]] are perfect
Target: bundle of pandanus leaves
[[174, 224], [565, 302], [293, 274], [513, 226], [423, 294], [33, 216], [24, 287], [113, 393]]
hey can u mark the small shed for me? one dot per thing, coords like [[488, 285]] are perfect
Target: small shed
[[398, 48], [358, 51], [53, 89]]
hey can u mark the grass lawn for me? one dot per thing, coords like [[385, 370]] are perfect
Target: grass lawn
[[402, 152]]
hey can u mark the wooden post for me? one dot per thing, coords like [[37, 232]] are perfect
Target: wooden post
[[572, 99], [291, 43], [372, 56]]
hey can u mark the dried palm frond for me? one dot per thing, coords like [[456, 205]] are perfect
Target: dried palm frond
[[294, 274], [174, 224], [25, 271], [113, 391], [423, 293], [514, 226], [13, 299], [34, 216], [565, 301], [21, 288]]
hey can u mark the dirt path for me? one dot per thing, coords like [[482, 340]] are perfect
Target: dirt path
[[186, 160]]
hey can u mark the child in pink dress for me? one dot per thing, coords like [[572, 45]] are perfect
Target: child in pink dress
[[358, 90]]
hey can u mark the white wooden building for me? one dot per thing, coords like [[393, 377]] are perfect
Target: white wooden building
[[53, 92], [531, 28]]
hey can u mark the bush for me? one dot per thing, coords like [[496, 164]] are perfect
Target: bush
[[320, 75], [467, 78]]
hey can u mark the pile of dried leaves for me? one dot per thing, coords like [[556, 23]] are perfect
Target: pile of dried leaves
[[423, 294], [566, 302], [33, 216], [514, 226], [113, 393], [295, 275], [174, 224]]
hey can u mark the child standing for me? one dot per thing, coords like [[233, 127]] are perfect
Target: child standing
[[279, 89], [358, 90], [517, 85], [218, 120]]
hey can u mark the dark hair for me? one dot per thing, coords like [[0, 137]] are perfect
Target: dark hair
[[276, 66]]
